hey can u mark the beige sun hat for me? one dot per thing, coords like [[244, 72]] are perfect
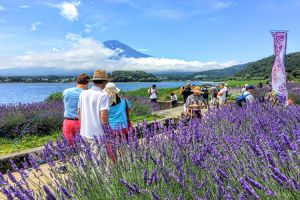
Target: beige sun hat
[[197, 90], [100, 75], [111, 89]]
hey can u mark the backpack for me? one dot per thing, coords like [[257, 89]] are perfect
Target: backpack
[[241, 99]]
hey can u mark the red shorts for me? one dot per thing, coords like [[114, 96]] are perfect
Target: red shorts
[[70, 128], [123, 135]]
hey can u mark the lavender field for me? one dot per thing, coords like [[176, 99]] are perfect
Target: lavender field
[[232, 153]]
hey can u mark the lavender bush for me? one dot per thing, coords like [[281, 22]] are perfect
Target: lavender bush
[[35, 119], [293, 91], [142, 106], [232, 153]]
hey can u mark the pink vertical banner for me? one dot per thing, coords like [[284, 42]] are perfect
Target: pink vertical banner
[[278, 71]]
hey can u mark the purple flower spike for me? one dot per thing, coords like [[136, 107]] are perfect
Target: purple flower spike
[[7, 194], [155, 196], [2, 180], [65, 192], [270, 159], [279, 174], [145, 178], [13, 165], [131, 189], [11, 177], [49, 194], [254, 183], [33, 162], [247, 188]]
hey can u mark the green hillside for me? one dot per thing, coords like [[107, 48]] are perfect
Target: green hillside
[[263, 67], [220, 73], [132, 76]]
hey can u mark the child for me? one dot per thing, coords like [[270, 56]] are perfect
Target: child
[[173, 100]]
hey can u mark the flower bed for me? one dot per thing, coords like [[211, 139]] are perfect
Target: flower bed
[[30, 119], [233, 153]]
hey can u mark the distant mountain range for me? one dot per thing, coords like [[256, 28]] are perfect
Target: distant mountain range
[[262, 68], [221, 73]]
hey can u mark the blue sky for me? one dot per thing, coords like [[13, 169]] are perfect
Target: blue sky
[[199, 33]]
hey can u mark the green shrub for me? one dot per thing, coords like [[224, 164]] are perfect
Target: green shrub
[[58, 96]]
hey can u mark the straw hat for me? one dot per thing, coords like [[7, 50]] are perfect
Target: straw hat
[[197, 90], [111, 89], [100, 75]]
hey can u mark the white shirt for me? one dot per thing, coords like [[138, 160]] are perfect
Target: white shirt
[[91, 102], [174, 97], [153, 93], [249, 98], [223, 92]]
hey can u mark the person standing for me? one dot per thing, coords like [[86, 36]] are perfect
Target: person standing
[[173, 100], [194, 103], [71, 125], [153, 93], [205, 96], [222, 94], [186, 93], [214, 95], [119, 108], [249, 94], [93, 109]]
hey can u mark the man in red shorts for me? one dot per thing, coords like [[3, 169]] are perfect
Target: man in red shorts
[[71, 124]]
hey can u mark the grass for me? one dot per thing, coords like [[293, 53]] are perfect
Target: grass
[[236, 83], [27, 142], [163, 93], [139, 119]]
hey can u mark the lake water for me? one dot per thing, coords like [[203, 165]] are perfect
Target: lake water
[[36, 92]]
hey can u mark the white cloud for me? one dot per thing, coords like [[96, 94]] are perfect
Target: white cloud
[[89, 27], [166, 64], [24, 6], [87, 53], [34, 26], [69, 10], [2, 8], [220, 5]]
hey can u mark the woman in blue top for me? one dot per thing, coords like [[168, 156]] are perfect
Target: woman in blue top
[[118, 114]]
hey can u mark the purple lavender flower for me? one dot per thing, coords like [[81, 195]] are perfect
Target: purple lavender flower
[[131, 189], [270, 159], [296, 185], [247, 188], [13, 165], [2, 180], [7, 193], [278, 174], [155, 196], [11, 177], [277, 179], [49, 194], [33, 162], [152, 177], [145, 178], [29, 194], [254, 183], [65, 192]]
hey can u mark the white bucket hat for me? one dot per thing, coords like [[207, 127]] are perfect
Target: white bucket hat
[[111, 89]]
